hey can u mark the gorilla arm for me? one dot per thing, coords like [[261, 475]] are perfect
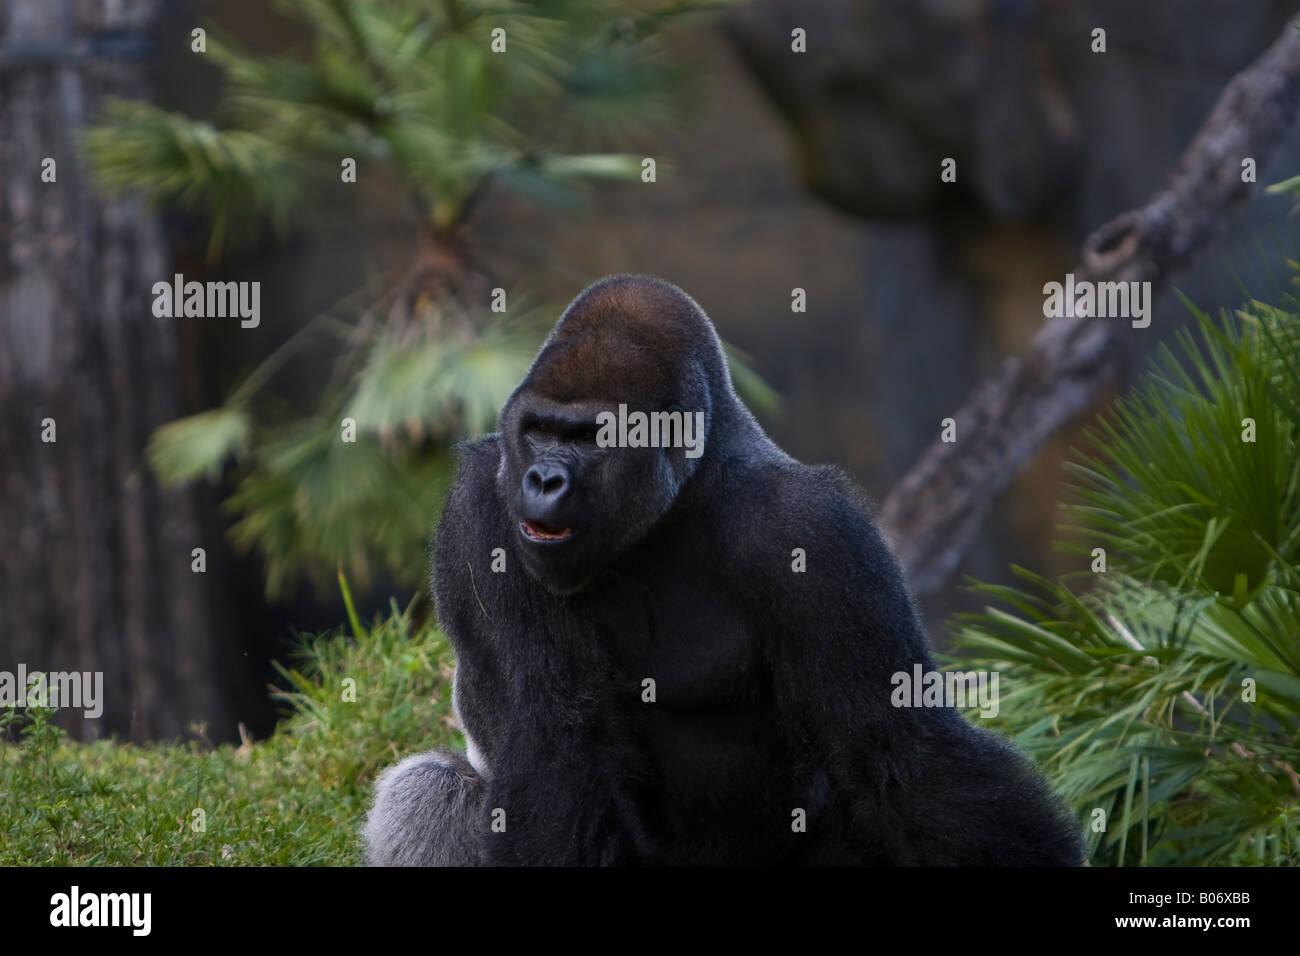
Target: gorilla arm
[[536, 691], [429, 810], [918, 786]]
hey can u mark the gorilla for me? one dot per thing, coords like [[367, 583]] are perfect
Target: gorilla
[[677, 658]]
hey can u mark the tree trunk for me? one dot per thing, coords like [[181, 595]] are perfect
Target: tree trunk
[[934, 511], [95, 558]]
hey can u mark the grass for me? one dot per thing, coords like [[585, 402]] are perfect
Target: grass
[[295, 799]]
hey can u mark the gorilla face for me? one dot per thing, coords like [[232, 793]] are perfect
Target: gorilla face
[[630, 341], [575, 505]]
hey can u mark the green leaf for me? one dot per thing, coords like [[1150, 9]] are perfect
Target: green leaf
[[1129, 693], [196, 447]]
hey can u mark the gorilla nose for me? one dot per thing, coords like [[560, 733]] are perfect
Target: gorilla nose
[[546, 484]]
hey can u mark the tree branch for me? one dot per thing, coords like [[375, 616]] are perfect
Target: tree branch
[[932, 514]]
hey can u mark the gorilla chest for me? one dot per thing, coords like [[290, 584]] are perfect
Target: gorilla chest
[[641, 659], [694, 691], [680, 643]]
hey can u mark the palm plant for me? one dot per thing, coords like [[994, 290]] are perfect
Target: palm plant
[[1165, 701], [420, 91]]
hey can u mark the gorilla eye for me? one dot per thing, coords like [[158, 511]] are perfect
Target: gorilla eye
[[587, 435], [540, 428]]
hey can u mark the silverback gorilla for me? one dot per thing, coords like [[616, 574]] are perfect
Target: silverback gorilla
[[683, 658]]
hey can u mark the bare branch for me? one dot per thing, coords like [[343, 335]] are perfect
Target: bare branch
[[933, 512]]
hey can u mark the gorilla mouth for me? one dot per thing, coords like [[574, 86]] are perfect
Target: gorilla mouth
[[537, 531]]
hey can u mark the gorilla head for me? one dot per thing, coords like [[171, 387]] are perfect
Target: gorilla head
[[631, 342]]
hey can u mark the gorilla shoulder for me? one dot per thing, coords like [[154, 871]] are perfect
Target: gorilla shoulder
[[467, 528], [786, 503]]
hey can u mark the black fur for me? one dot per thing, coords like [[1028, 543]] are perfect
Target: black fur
[[773, 687]]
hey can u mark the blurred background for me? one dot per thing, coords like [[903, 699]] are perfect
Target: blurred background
[[522, 171]]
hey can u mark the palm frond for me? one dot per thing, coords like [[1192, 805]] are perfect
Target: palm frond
[[198, 446], [238, 177], [1166, 700]]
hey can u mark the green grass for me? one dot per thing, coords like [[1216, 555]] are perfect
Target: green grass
[[295, 799]]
